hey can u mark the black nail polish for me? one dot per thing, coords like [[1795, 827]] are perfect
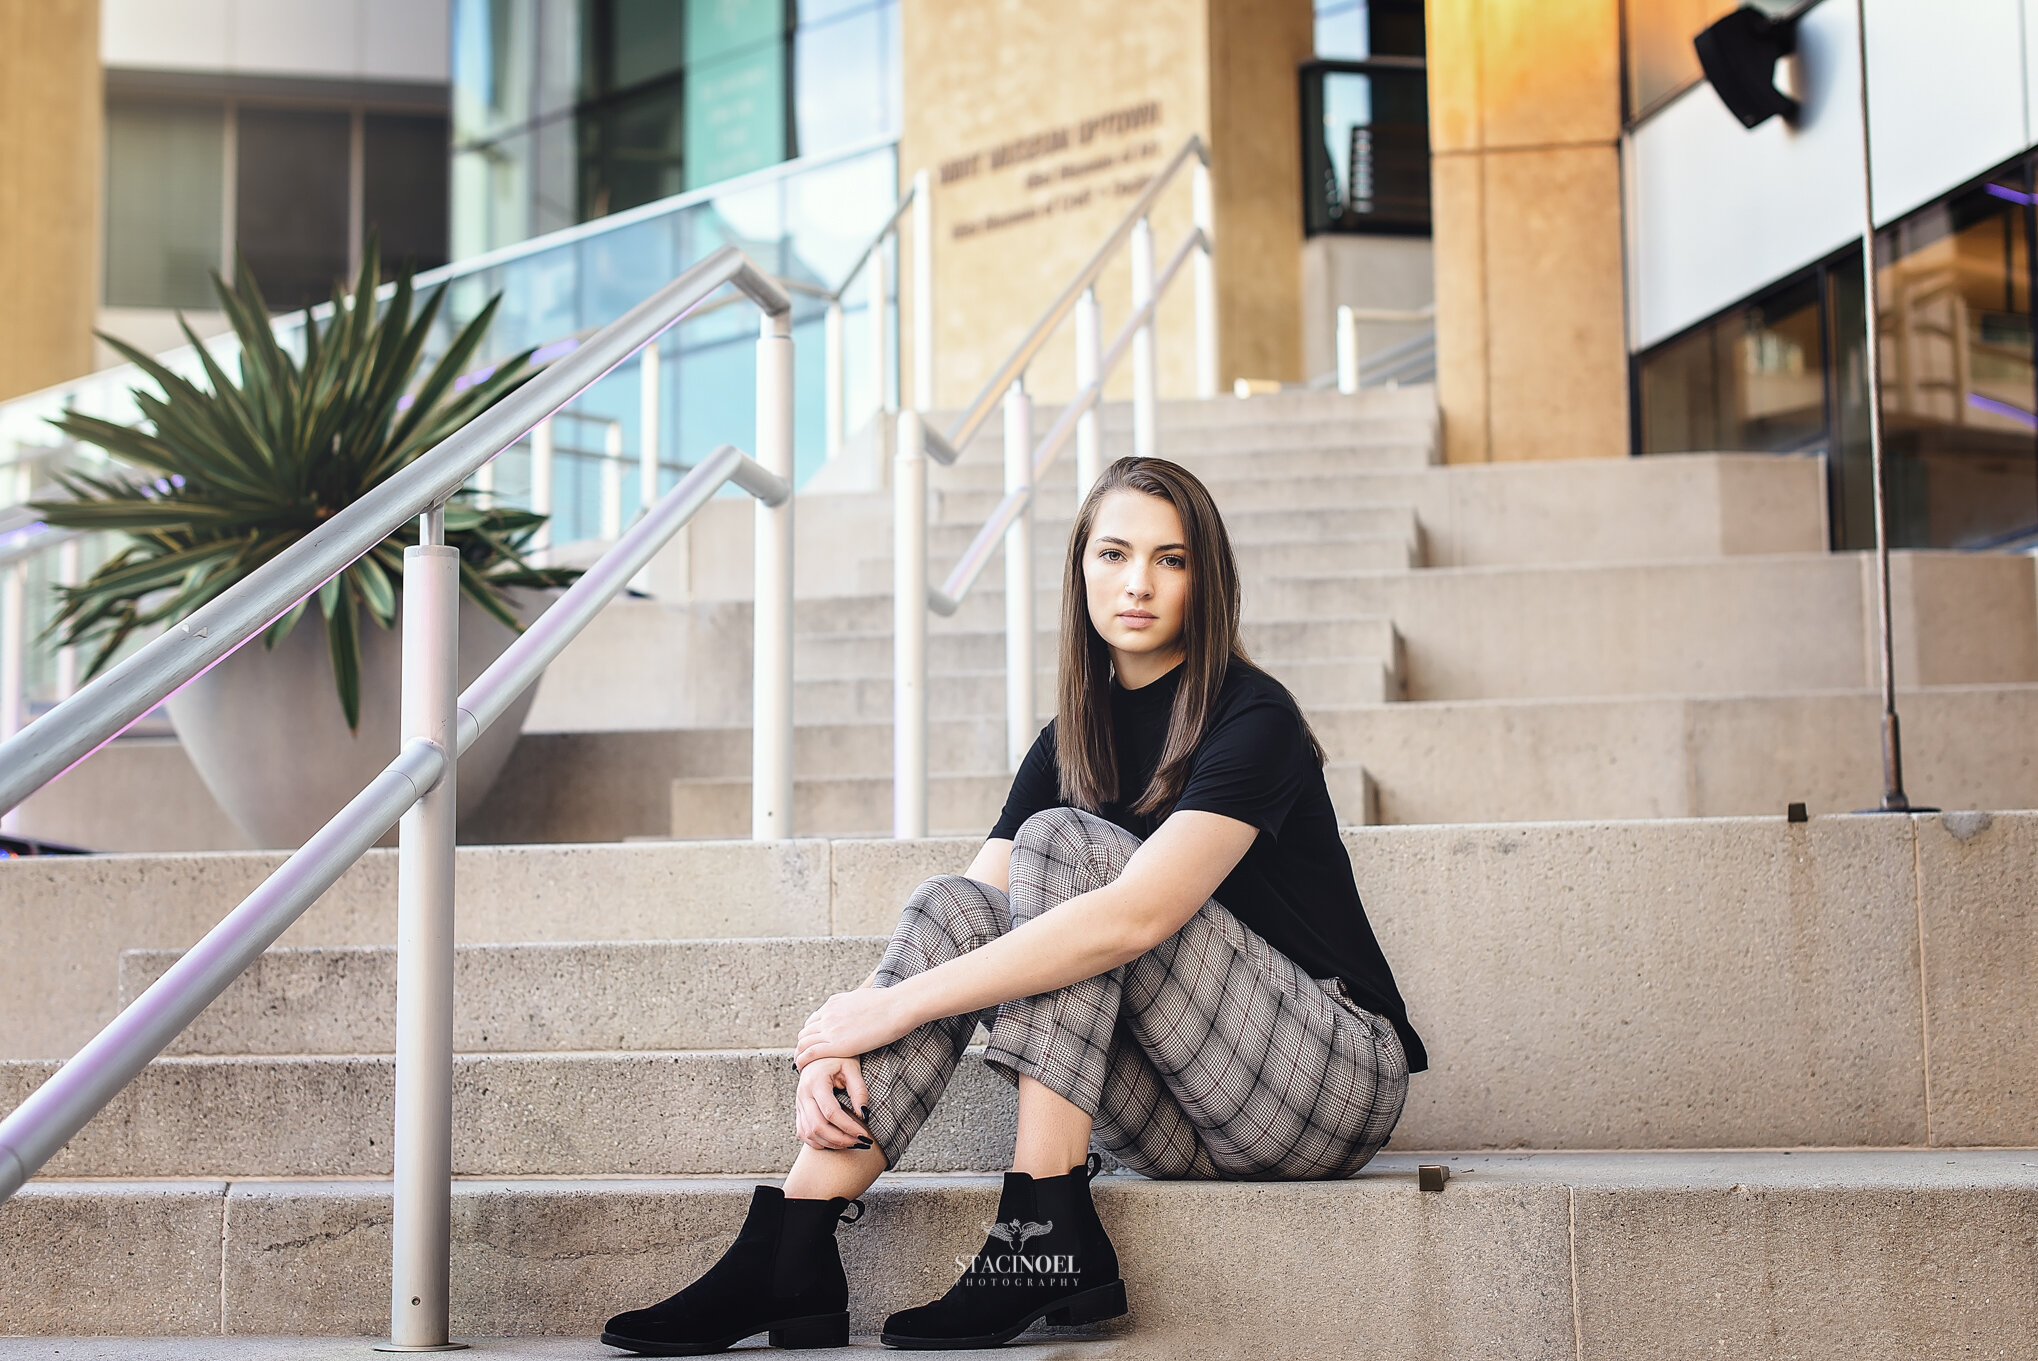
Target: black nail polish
[[863, 1143], [865, 1110]]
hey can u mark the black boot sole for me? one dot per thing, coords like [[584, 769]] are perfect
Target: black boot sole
[[790, 1334], [1090, 1306]]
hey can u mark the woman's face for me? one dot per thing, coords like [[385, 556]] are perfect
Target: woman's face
[[1136, 570]]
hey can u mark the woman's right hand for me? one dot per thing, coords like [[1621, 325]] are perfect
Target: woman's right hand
[[819, 1117]]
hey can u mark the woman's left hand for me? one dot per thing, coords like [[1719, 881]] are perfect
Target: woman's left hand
[[851, 1024]]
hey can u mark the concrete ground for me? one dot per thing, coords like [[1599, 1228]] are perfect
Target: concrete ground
[[360, 1349]]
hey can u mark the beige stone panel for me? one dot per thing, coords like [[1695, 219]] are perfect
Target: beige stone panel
[[64, 920], [1458, 213], [873, 879], [988, 74], [111, 1257], [1768, 504], [52, 120], [1454, 37], [1920, 1266], [1256, 167], [1549, 75], [1556, 347], [1728, 983], [1980, 922]]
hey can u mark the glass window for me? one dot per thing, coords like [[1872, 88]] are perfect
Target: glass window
[[1754, 379], [290, 220], [1353, 30], [164, 195], [632, 151], [843, 75], [403, 190], [735, 88], [493, 51], [1366, 148]]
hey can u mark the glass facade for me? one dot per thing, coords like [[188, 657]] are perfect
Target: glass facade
[[1786, 372], [1658, 61], [1365, 120], [568, 110], [294, 195]]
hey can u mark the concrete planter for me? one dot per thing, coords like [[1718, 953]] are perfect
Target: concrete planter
[[266, 733]]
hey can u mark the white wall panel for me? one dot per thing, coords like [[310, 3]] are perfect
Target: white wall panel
[[1946, 94], [408, 40], [164, 35], [1718, 210], [300, 37], [375, 40]]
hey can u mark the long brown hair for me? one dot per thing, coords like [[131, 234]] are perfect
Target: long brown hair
[[1086, 760]]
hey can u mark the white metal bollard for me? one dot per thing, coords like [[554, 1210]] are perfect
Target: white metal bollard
[[1144, 377], [909, 629], [541, 489], [923, 291], [837, 417], [1347, 351], [69, 570], [884, 394], [648, 444], [1019, 705], [612, 482], [421, 1236], [771, 721], [13, 658], [1205, 276], [1089, 357]]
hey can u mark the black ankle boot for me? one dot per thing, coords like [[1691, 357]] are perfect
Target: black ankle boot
[[782, 1275], [1046, 1257]]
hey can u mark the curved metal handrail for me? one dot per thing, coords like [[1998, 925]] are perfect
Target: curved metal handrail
[[80, 725], [978, 411]]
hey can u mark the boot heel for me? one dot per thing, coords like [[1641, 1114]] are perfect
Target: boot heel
[[1092, 1306], [816, 1330]]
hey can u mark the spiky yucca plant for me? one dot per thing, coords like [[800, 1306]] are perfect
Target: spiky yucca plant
[[238, 474]]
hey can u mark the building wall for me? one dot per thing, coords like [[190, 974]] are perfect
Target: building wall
[[50, 145], [1041, 122], [1525, 123], [381, 40], [1717, 211]]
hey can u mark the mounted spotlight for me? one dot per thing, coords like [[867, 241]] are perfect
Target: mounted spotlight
[[1739, 54]]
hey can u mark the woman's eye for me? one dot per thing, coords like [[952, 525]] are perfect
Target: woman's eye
[[1109, 554], [1173, 561]]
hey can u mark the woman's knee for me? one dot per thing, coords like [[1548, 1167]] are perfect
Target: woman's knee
[[962, 907], [1057, 831]]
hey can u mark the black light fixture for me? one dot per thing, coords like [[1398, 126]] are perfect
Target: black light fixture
[[1739, 54]]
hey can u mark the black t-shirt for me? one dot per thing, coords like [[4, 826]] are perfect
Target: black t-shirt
[[1294, 885]]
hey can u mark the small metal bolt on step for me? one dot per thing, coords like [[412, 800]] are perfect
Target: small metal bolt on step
[[1431, 1176], [1796, 813]]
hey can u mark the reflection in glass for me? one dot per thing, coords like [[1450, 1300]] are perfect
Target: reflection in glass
[[163, 182], [1365, 147], [291, 211]]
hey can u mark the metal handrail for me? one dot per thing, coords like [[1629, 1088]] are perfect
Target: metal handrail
[[420, 785], [1021, 358], [80, 725], [912, 596], [918, 198], [877, 238]]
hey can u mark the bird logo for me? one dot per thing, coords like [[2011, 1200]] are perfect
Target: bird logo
[[1017, 1233]]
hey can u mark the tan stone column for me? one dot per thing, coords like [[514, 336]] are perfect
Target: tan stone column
[[1042, 120], [1525, 122], [52, 138]]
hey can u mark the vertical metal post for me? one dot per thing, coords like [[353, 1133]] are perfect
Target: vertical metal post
[[909, 629], [541, 489], [836, 420], [1204, 208], [771, 715], [612, 482], [1019, 706], [880, 346], [1347, 351], [1144, 378], [648, 442], [69, 569], [13, 648], [484, 479], [1893, 798], [421, 1237], [923, 291], [1089, 358]]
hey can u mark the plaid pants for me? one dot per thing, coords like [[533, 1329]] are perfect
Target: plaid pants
[[1212, 1055]]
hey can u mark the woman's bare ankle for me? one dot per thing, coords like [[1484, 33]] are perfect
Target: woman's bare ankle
[[825, 1173]]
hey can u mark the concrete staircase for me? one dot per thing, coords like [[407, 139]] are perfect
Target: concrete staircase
[[1722, 1085]]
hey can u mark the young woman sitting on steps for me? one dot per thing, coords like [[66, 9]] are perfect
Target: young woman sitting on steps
[[1163, 935]]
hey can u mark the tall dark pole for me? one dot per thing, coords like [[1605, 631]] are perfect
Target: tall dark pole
[[1893, 800]]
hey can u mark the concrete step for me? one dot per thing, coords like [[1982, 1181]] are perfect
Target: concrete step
[[1258, 493], [1398, 443], [1256, 562], [950, 695], [1566, 977], [1221, 466], [613, 995], [638, 1113], [1815, 1255], [946, 541]]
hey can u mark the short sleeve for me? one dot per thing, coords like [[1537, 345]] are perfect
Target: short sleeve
[[1251, 765], [1036, 786]]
